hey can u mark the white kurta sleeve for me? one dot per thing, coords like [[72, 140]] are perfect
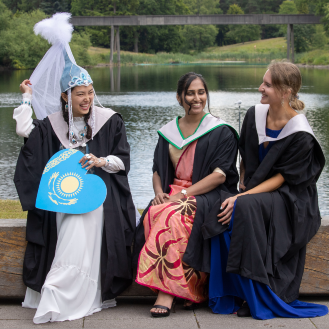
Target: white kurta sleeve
[[220, 171], [23, 117], [113, 164]]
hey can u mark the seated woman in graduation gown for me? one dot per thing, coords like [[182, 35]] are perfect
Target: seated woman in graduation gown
[[194, 159], [260, 256], [74, 265]]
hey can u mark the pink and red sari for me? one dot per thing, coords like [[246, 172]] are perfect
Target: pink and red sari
[[167, 228]]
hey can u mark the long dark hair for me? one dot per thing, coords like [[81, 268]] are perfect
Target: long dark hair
[[184, 83], [66, 118]]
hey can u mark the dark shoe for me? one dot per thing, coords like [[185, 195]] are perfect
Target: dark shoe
[[165, 314], [191, 307], [244, 311], [161, 315]]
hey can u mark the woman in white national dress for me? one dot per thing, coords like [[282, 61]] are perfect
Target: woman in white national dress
[[74, 265]]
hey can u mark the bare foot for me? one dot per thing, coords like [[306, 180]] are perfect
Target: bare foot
[[163, 300]]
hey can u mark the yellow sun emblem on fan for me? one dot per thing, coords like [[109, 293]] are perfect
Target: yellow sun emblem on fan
[[69, 185]]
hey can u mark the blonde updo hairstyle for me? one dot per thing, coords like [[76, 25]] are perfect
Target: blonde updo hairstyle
[[286, 76]]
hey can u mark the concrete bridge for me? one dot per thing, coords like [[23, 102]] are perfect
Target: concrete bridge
[[151, 20]]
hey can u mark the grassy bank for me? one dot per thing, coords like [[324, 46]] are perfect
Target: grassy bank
[[314, 57], [259, 51], [12, 209], [264, 52]]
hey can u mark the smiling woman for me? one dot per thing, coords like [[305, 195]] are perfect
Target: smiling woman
[[259, 256], [82, 99], [62, 282], [193, 161]]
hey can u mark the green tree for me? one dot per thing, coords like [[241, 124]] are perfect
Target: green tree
[[100, 36], [242, 33], [21, 48], [235, 10], [288, 7], [161, 38], [5, 17], [47, 6], [203, 7], [51, 7], [302, 6], [325, 19], [12, 4], [199, 37], [319, 39], [320, 6], [303, 34], [252, 7], [29, 5]]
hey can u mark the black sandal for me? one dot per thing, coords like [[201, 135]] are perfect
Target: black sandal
[[244, 311], [165, 314], [161, 314], [191, 307]]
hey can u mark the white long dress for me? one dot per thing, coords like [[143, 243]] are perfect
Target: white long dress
[[72, 287]]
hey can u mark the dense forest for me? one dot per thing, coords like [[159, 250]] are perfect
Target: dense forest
[[17, 18]]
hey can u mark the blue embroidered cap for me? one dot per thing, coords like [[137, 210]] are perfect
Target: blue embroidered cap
[[73, 75]]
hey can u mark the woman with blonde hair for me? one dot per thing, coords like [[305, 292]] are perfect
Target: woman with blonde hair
[[259, 238]]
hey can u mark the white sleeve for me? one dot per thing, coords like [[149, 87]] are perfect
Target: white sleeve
[[23, 116], [220, 171], [113, 164]]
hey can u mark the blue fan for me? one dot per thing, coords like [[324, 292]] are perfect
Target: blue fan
[[65, 187]]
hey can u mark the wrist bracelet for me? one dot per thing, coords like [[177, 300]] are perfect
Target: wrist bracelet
[[107, 162], [26, 102]]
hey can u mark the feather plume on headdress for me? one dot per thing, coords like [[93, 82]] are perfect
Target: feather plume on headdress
[[57, 72], [45, 79], [54, 29]]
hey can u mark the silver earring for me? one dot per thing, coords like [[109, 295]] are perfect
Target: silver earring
[[66, 107], [282, 102]]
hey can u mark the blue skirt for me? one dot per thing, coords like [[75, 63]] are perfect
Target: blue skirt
[[227, 291]]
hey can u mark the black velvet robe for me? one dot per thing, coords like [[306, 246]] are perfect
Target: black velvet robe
[[271, 230], [217, 148], [119, 210]]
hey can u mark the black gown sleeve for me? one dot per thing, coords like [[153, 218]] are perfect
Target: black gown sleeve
[[224, 157], [32, 159], [218, 149], [121, 147], [37, 150], [163, 165], [299, 165], [41, 232]]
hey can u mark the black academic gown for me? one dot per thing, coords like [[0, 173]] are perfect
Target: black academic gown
[[119, 210], [216, 149], [271, 230]]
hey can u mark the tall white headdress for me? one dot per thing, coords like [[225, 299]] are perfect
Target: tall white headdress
[[57, 72]]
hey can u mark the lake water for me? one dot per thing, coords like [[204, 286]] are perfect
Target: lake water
[[145, 96]]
